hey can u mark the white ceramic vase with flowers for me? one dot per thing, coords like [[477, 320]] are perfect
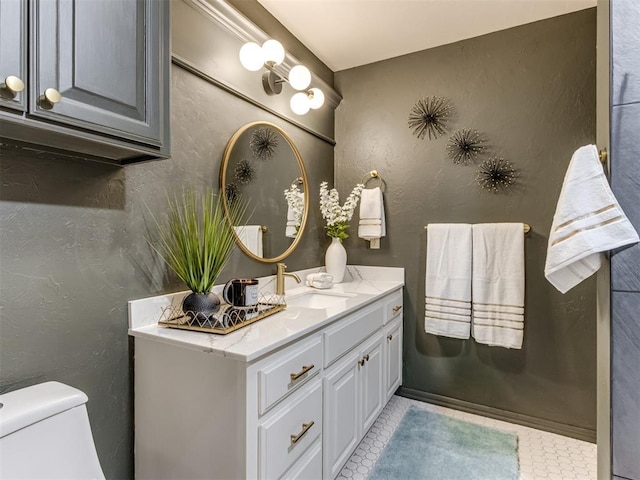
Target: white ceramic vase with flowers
[[337, 218]]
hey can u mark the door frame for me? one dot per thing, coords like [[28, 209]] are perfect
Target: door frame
[[603, 319]]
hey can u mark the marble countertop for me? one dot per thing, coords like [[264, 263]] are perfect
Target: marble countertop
[[364, 284]]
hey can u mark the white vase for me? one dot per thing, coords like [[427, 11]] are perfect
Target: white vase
[[335, 260]]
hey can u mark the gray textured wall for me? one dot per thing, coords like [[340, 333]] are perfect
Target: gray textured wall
[[73, 252], [531, 89], [625, 264]]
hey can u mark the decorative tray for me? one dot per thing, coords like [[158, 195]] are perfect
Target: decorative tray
[[226, 320]]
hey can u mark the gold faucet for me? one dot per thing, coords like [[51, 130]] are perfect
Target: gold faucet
[[280, 274]]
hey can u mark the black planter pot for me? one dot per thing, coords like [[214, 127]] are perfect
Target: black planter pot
[[200, 306]]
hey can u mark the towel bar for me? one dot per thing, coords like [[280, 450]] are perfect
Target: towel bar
[[603, 156], [527, 227]]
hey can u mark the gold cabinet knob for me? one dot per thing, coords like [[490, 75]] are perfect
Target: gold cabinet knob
[[49, 98], [52, 95], [13, 84]]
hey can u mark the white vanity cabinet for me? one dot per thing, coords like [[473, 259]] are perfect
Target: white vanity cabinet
[[393, 357], [393, 343], [296, 409]]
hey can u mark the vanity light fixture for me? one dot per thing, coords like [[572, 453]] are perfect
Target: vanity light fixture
[[302, 102], [253, 57]]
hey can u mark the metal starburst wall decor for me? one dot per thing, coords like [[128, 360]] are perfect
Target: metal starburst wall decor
[[244, 172], [263, 143], [465, 146], [429, 117], [496, 175]]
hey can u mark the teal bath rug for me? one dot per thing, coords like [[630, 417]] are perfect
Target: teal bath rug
[[430, 446]]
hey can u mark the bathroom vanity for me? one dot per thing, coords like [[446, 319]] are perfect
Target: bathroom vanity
[[290, 396]]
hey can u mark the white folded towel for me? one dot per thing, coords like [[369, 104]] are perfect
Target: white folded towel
[[447, 309], [372, 223], [294, 216], [588, 221], [319, 280], [498, 284], [251, 237]]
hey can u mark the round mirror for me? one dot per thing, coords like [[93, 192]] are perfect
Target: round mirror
[[262, 167]]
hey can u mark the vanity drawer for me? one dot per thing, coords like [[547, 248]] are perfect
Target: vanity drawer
[[291, 368], [309, 466], [393, 306], [346, 334], [289, 432]]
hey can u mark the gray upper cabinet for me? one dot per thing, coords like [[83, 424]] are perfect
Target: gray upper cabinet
[[100, 58], [13, 54], [97, 83]]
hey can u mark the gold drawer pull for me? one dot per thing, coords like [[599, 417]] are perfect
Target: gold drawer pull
[[361, 362], [390, 337], [305, 428], [366, 357], [305, 369], [397, 308]]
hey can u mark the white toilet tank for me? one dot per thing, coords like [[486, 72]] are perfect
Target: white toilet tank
[[45, 434]]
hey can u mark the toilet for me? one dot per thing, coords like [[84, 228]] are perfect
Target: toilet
[[45, 433]]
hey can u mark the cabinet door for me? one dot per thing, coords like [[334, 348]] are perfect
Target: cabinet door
[[341, 414], [104, 59], [393, 358], [13, 57], [371, 379]]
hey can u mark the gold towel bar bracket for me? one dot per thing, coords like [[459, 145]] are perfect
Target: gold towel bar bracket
[[527, 227], [264, 228], [372, 174], [603, 156]]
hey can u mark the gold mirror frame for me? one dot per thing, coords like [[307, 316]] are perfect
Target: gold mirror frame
[[303, 174]]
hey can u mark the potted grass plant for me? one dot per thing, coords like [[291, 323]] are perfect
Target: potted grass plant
[[195, 240]]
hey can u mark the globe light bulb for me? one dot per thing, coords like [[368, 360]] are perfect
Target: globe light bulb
[[316, 98], [300, 103], [273, 52], [299, 77], [251, 56]]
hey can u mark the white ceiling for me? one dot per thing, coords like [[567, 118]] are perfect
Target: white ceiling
[[349, 33]]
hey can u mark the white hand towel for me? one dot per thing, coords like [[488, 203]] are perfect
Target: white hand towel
[[372, 223], [294, 218], [447, 309], [498, 284], [251, 237], [588, 221]]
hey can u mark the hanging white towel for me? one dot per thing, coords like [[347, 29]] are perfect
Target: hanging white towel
[[294, 216], [447, 309], [251, 237], [588, 221], [372, 223], [498, 284]]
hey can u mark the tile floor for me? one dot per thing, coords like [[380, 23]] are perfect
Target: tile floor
[[542, 455]]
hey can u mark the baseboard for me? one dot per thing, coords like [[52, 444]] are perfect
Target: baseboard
[[579, 433]]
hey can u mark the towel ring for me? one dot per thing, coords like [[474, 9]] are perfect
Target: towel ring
[[372, 174]]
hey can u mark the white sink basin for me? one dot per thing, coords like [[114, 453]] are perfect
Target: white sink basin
[[319, 299]]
